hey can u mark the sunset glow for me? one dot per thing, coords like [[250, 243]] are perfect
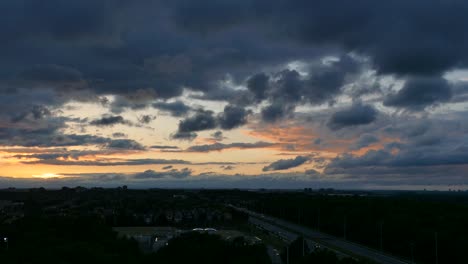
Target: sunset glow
[[47, 176]]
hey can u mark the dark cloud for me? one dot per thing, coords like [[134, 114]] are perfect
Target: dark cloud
[[276, 111], [104, 44], [285, 164], [378, 178], [60, 153], [218, 136], [227, 167], [106, 58], [109, 121], [52, 137], [251, 54], [357, 27], [164, 147], [422, 151], [39, 112], [357, 114], [54, 19], [66, 157], [417, 180], [126, 144], [202, 120], [312, 172], [119, 135], [46, 137], [232, 117], [459, 91], [364, 141], [239, 97], [36, 112], [289, 86], [146, 119], [136, 101], [107, 54], [174, 173], [221, 146], [177, 108], [416, 129], [258, 85], [51, 74], [420, 92], [184, 135], [54, 160], [44, 156], [371, 158], [284, 95], [324, 81], [198, 17]]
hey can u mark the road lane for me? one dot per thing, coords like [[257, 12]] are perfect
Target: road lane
[[291, 231]]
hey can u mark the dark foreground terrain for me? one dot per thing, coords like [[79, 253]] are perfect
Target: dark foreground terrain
[[121, 225]]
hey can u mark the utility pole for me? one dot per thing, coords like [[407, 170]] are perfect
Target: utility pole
[[381, 236], [436, 249], [318, 219], [303, 246], [412, 252], [287, 254]]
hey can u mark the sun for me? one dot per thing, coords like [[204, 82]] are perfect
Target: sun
[[47, 176]]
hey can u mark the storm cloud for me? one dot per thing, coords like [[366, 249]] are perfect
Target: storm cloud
[[364, 141], [221, 146], [418, 93], [202, 120], [303, 77], [173, 173], [232, 117], [125, 144], [109, 121], [176, 108], [357, 114], [285, 164]]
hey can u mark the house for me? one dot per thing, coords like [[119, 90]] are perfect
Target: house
[[148, 238]]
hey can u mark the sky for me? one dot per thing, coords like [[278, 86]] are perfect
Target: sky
[[234, 94]]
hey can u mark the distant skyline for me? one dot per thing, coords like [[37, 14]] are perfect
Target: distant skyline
[[225, 94]]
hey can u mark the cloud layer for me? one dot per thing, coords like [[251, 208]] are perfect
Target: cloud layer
[[364, 87]]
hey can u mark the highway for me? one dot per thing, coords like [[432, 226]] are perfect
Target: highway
[[274, 255], [289, 236], [289, 231]]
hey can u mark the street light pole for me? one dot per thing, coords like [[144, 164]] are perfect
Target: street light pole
[[299, 215], [344, 228], [436, 249]]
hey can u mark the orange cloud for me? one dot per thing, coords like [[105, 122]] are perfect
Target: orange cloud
[[296, 138]]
